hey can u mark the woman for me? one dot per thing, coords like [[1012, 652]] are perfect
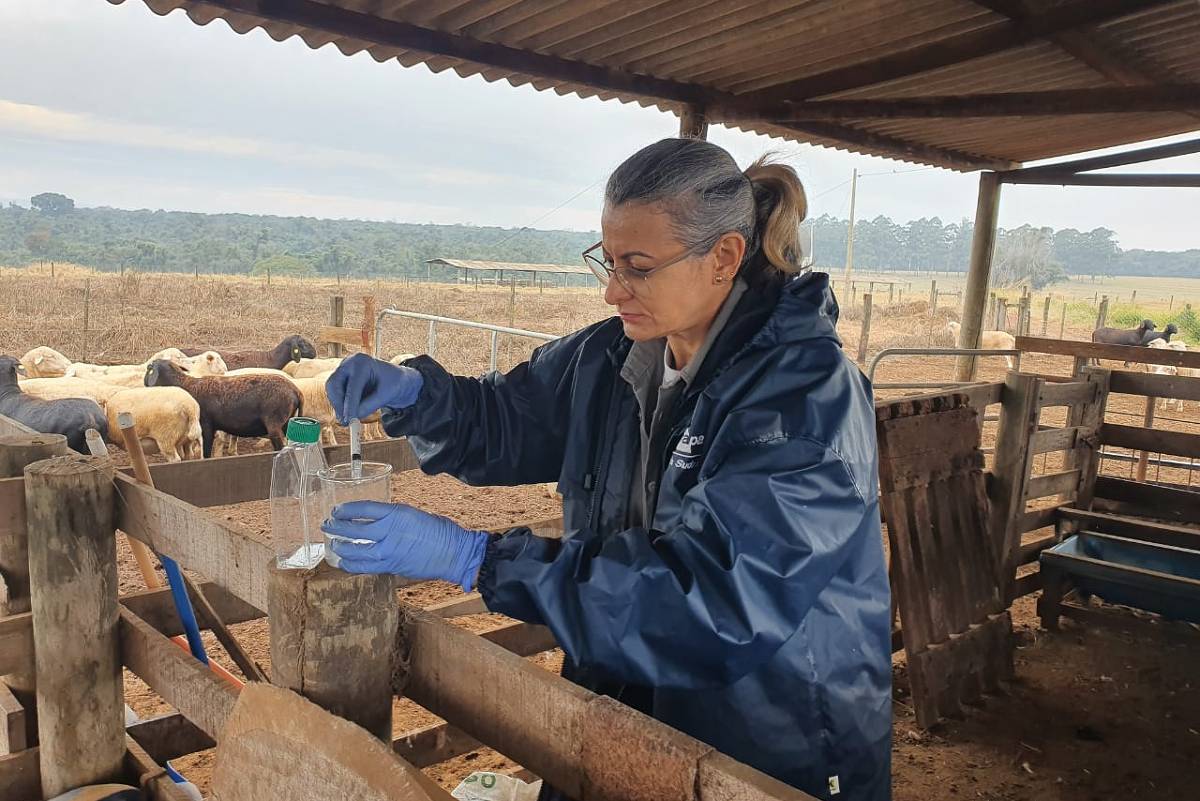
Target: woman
[[722, 566]]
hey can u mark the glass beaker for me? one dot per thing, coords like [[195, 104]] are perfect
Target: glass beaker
[[339, 485]]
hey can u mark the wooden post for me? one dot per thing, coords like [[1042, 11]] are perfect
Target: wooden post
[[337, 317], [1144, 456], [1062, 324], [512, 304], [73, 575], [1046, 315], [16, 453], [87, 302], [983, 244], [332, 635], [1102, 314], [1171, 304], [1133, 298], [933, 296], [866, 329], [891, 292], [693, 122], [368, 324], [1019, 411]]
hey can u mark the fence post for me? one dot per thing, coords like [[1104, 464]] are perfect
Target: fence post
[[891, 292], [1171, 304], [1133, 298], [865, 335], [337, 318], [1046, 315], [16, 453], [933, 296], [1010, 471], [1102, 314], [1144, 456], [73, 583], [1062, 324], [368, 324], [87, 302], [1001, 314], [331, 641]]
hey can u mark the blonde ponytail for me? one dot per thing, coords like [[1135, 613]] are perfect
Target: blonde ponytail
[[780, 208]]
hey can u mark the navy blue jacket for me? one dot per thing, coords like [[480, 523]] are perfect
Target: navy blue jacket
[[754, 613]]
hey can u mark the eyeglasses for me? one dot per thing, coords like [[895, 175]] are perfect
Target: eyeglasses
[[634, 280]]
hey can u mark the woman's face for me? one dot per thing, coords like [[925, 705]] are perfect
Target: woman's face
[[678, 300]]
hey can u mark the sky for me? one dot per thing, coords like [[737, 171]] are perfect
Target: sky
[[115, 106]]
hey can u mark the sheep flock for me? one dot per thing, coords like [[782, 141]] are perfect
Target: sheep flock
[[186, 403]]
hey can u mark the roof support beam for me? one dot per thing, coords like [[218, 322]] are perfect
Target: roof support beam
[[1086, 47], [964, 47], [1057, 102], [1155, 153], [1102, 179], [340, 22]]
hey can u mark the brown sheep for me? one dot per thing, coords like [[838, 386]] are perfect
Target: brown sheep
[[247, 406], [291, 349]]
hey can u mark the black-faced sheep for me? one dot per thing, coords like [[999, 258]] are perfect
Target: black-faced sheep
[[1124, 336], [246, 406], [71, 417], [291, 349]]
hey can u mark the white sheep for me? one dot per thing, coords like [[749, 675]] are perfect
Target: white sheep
[[204, 364], [257, 371], [307, 368], [121, 375], [168, 418], [989, 340], [44, 362], [67, 387]]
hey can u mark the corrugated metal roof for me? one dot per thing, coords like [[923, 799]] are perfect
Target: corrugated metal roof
[[667, 51], [510, 266]]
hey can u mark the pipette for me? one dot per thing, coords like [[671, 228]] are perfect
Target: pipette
[[356, 459]]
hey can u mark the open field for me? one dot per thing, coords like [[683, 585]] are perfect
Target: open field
[[1082, 697]]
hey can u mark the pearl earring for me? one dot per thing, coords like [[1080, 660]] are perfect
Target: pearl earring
[[720, 279]]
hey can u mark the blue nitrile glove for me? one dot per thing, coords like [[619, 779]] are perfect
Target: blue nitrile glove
[[395, 538], [361, 386]]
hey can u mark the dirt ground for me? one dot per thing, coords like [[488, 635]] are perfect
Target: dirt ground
[[1091, 715]]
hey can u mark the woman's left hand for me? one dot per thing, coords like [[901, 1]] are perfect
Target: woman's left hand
[[373, 537]]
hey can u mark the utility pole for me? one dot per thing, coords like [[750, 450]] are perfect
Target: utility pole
[[850, 230]]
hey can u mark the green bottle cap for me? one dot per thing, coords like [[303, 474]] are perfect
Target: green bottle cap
[[304, 430]]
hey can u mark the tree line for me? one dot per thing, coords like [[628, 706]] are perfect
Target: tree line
[[52, 228]]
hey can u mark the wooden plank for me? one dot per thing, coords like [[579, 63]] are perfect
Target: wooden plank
[[1165, 584], [1038, 518], [1134, 528], [979, 396], [1011, 464], [721, 778], [222, 551], [1027, 584], [12, 722], [16, 644], [147, 774], [1031, 550], [1126, 382], [20, 779], [177, 677], [157, 608], [11, 428], [1121, 353], [1061, 483], [1148, 500], [1156, 440], [168, 737], [432, 744], [469, 604], [1066, 394], [522, 639], [1089, 417], [331, 334], [238, 479], [1053, 439]]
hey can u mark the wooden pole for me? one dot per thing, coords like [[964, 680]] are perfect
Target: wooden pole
[[850, 228], [73, 573], [87, 300], [1102, 314], [933, 296], [693, 122], [1143, 460], [16, 453], [865, 336], [983, 244], [368, 324], [337, 318], [1045, 315], [891, 292], [331, 641], [1062, 323]]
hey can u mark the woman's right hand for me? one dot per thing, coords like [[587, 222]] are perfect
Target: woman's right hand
[[361, 386]]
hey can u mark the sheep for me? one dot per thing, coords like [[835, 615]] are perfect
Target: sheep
[[1124, 336], [59, 388], [990, 340], [166, 417], [291, 349], [120, 375], [245, 371], [243, 406], [316, 404], [207, 363], [71, 417], [400, 358], [307, 368], [43, 362]]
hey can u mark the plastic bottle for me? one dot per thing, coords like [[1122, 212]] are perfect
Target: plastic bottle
[[296, 507]]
